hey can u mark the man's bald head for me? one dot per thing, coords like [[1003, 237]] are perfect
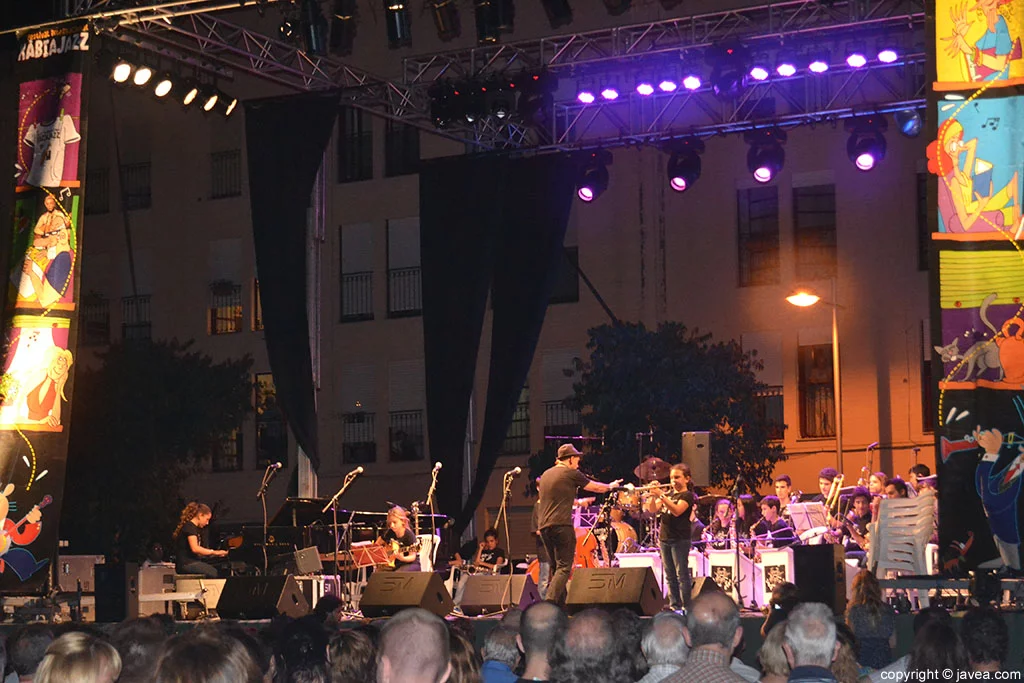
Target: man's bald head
[[713, 620], [541, 625], [414, 648]]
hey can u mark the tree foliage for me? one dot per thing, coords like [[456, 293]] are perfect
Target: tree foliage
[[143, 422], [674, 380]]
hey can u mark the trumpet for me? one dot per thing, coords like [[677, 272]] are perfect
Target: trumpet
[[648, 487]]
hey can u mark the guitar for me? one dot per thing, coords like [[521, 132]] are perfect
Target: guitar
[[396, 552]]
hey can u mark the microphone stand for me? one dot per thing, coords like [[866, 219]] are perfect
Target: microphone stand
[[738, 579], [333, 506], [433, 521], [268, 475], [506, 493]]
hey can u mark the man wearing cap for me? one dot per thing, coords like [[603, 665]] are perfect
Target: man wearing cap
[[554, 514]]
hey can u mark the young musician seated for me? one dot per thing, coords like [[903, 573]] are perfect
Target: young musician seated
[[489, 557], [401, 541], [722, 527], [771, 531], [825, 479], [896, 488], [193, 540], [855, 524], [785, 493]]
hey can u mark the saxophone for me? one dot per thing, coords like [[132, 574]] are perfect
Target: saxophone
[[416, 518]]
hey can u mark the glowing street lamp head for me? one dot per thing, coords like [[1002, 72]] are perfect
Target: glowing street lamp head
[[803, 298]]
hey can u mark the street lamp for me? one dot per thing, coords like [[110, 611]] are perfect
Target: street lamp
[[804, 297]]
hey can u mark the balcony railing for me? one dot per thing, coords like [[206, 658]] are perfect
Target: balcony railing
[[94, 322], [561, 420], [770, 407], [517, 439], [227, 453], [405, 434], [405, 292], [135, 321], [357, 296], [359, 443]]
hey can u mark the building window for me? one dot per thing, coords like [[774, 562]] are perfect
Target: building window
[[271, 430], [226, 174], [769, 406], [135, 186], [401, 149], [924, 237], [225, 313], [517, 439], [405, 293], [817, 399], [94, 320], [359, 443], [97, 190], [560, 419], [135, 322], [567, 281], [257, 306], [758, 228], [227, 453], [814, 231], [355, 146], [405, 433], [356, 297]]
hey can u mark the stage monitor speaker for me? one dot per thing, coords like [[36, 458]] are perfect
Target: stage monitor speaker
[[820, 571], [489, 594], [261, 597], [703, 585], [388, 593], [634, 588], [696, 450], [307, 561]]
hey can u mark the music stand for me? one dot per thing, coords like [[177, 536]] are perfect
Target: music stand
[[807, 516], [368, 554]]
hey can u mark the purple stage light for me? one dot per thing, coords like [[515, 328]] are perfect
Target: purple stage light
[[818, 66], [586, 193], [678, 184], [645, 88], [667, 86], [865, 161], [759, 73], [785, 69], [887, 55], [763, 174], [856, 60], [691, 82], [610, 93], [585, 97]]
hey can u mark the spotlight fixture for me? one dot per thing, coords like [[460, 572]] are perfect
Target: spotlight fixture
[[536, 99], [785, 65], [585, 93], [442, 103], [818, 62], [399, 29], [286, 31], [343, 26], [446, 19], [610, 92], [500, 95], [314, 28], [189, 92], [856, 58], [208, 99], [645, 86], [683, 167], [866, 146], [229, 104], [692, 82], [765, 158], [909, 122], [122, 70], [143, 74], [729, 67], [559, 12], [594, 176], [759, 69], [164, 84], [668, 85], [469, 101], [887, 53]]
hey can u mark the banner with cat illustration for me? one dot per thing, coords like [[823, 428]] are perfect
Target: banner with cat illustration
[[40, 309], [978, 43]]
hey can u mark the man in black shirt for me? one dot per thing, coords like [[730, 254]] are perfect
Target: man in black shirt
[[554, 514], [825, 479], [674, 536], [771, 531], [192, 538]]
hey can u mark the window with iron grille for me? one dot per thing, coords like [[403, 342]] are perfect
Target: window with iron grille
[[271, 430], [97, 191], [567, 281], [405, 433], [814, 231], [817, 397], [355, 145], [356, 296], [135, 186], [758, 228], [135, 321], [257, 306], [401, 149], [561, 419], [225, 313], [226, 174], [517, 439], [359, 443], [770, 408], [227, 453], [94, 320], [924, 237]]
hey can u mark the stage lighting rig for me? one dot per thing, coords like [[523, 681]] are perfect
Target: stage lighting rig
[[536, 98], [684, 166], [766, 157], [593, 175], [866, 145], [730, 64], [908, 122]]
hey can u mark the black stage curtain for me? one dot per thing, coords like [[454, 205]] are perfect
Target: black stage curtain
[[484, 218], [285, 140], [459, 225]]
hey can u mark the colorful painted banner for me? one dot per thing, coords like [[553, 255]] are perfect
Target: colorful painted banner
[[978, 43], [40, 316]]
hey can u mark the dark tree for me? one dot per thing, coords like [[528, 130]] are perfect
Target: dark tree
[[674, 380], [143, 422]]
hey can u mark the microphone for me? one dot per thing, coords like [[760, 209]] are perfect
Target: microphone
[[514, 472], [437, 466], [275, 466], [872, 446], [358, 470]]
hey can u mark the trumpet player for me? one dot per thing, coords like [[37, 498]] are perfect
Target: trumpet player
[[674, 506]]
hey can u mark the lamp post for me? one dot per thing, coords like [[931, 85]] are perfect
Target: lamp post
[[804, 298]]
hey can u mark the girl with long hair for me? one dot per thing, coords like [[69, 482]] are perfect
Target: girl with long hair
[[872, 621], [192, 538]]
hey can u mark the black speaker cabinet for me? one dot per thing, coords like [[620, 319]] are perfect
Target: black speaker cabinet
[[387, 593], [489, 594], [634, 588], [820, 572], [261, 597]]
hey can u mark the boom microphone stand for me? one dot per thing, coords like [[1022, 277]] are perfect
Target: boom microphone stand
[[332, 505], [736, 502], [506, 493]]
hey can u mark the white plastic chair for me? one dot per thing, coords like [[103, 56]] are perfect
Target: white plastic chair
[[899, 539]]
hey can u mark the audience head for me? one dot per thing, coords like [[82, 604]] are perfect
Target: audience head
[[929, 614], [845, 667], [353, 658], [204, 655], [785, 593], [628, 633], [465, 660], [139, 642], [512, 618], [866, 590], [937, 646], [588, 653], [500, 646], [302, 648], [326, 610], [663, 641], [986, 637], [80, 657], [771, 655], [713, 623], [811, 635], [543, 624], [27, 647], [414, 646]]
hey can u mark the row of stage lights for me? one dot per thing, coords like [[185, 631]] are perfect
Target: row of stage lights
[[166, 84], [766, 156], [730, 69]]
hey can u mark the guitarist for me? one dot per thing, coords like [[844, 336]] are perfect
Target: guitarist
[[401, 541]]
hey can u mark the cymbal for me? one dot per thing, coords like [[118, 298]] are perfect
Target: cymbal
[[651, 469], [710, 498]]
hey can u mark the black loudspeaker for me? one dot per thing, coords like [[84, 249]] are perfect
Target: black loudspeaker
[[820, 571], [696, 450], [261, 597], [388, 593], [307, 561], [489, 594], [702, 585], [634, 588]]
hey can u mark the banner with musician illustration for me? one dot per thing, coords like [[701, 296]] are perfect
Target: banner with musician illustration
[[978, 43], [40, 317]]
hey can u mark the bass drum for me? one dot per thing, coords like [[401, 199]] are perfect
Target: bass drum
[[627, 539]]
